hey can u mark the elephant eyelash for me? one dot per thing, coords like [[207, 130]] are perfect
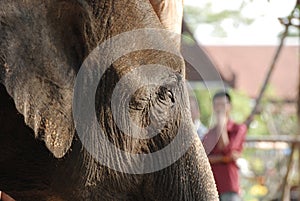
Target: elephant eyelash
[[164, 93], [171, 96]]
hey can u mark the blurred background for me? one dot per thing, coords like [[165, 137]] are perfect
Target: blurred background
[[251, 48]]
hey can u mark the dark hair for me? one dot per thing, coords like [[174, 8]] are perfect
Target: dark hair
[[222, 94]]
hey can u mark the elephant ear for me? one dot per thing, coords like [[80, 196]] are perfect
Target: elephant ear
[[46, 107], [170, 15], [39, 56]]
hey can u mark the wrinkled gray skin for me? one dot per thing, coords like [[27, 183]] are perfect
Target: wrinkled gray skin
[[42, 46]]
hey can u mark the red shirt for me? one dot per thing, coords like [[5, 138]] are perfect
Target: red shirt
[[226, 174]]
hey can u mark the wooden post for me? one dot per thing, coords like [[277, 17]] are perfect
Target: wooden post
[[286, 177], [298, 127]]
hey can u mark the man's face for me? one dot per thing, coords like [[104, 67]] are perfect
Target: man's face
[[222, 105]]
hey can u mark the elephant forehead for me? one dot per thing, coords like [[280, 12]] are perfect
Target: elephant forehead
[[152, 94], [157, 74]]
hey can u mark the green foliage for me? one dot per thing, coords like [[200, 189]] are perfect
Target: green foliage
[[294, 20], [205, 15], [265, 174], [187, 39], [241, 108], [258, 126], [272, 119], [241, 105], [204, 98]]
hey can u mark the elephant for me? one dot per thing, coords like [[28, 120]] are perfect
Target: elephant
[[45, 145]]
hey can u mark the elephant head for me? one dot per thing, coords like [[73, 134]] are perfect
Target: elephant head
[[46, 46]]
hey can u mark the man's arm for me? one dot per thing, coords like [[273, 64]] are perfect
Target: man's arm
[[213, 159], [221, 127], [237, 144], [233, 150]]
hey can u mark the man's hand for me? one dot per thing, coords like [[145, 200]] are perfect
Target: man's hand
[[224, 158], [235, 155], [221, 119], [222, 129]]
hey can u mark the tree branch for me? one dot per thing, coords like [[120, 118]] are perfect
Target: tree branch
[[287, 23]]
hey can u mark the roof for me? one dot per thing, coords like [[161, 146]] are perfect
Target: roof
[[199, 66], [246, 67]]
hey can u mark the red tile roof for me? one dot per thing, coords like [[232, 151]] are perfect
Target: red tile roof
[[249, 65]]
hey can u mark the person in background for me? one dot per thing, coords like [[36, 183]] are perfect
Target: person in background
[[195, 112], [224, 143]]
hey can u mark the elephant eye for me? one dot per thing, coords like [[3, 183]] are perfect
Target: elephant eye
[[165, 94], [171, 96]]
